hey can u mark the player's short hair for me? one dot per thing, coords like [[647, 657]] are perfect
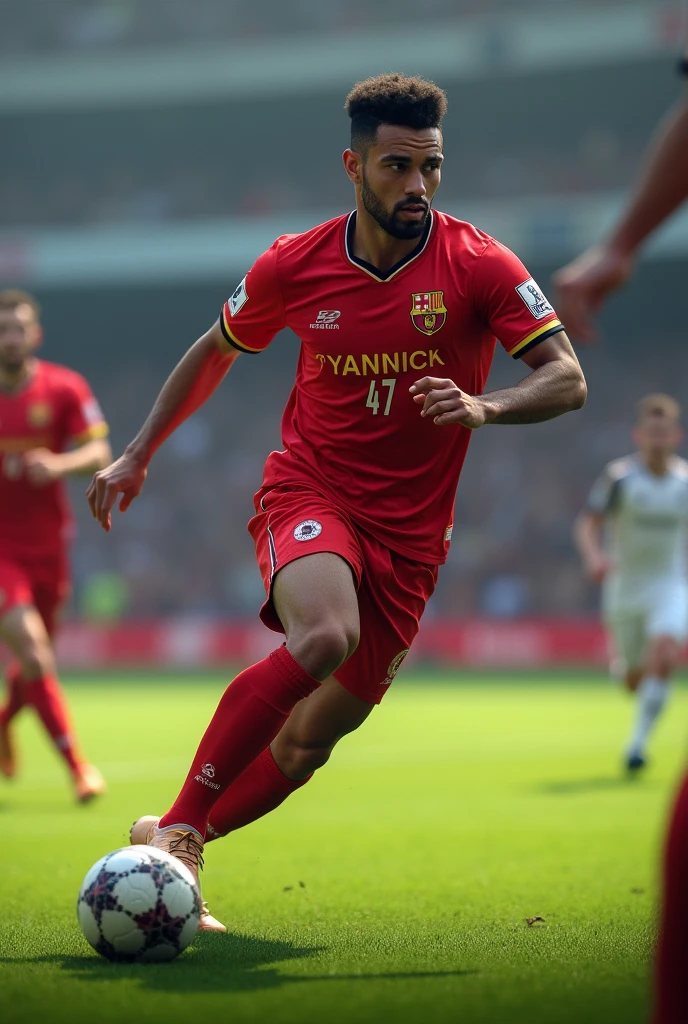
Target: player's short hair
[[658, 404], [10, 298], [392, 99]]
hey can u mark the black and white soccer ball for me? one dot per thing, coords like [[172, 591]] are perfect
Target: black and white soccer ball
[[139, 905]]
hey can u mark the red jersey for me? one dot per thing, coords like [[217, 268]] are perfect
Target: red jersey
[[350, 428], [54, 409]]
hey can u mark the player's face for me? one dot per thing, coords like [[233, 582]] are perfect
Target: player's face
[[658, 434], [20, 336], [399, 177]]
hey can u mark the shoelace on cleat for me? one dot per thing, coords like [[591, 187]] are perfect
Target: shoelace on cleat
[[191, 851]]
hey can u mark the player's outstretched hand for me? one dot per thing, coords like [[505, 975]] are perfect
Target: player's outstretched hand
[[125, 476], [42, 466], [583, 285], [446, 403]]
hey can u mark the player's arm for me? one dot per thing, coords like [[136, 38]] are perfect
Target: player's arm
[[191, 383], [43, 466], [554, 386], [587, 535], [663, 186]]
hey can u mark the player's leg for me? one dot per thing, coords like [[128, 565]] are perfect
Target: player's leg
[[15, 590], [303, 744], [671, 991], [666, 626]]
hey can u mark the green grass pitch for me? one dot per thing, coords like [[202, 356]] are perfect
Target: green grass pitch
[[395, 886]]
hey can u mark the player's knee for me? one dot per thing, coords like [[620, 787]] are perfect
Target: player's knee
[[664, 656], [37, 661], [322, 648], [297, 761]]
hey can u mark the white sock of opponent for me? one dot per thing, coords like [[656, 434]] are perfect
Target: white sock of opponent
[[653, 694]]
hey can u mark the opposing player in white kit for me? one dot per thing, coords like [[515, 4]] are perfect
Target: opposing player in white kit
[[643, 499]]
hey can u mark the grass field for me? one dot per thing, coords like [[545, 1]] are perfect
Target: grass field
[[395, 886]]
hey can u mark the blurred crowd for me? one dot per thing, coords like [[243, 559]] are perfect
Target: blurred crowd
[[598, 160], [183, 546], [87, 26]]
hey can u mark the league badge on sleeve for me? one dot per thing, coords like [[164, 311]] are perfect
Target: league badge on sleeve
[[238, 298], [534, 299], [428, 311]]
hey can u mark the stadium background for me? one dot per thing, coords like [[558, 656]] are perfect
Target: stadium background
[[152, 148]]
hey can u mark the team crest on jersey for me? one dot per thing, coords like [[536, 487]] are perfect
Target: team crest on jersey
[[428, 311], [395, 666], [39, 414]]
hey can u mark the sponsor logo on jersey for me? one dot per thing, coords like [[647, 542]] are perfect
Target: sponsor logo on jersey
[[394, 667], [325, 320], [428, 311], [238, 298], [39, 414], [367, 364], [309, 529], [534, 299]]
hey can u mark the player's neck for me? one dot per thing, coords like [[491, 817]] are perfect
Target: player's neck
[[656, 462], [375, 246], [15, 380]]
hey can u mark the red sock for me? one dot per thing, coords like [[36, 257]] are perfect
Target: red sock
[[46, 696], [259, 789], [671, 991], [251, 712], [16, 694]]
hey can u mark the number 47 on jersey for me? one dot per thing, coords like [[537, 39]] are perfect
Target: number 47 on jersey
[[373, 401]]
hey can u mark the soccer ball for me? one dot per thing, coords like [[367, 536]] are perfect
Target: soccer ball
[[139, 905]]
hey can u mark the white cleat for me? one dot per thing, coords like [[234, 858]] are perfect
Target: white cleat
[[184, 843]]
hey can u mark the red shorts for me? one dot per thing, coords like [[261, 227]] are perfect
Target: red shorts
[[292, 522], [42, 583]]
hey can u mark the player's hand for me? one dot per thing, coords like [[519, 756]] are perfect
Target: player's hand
[[583, 285], [125, 476], [42, 467], [598, 567], [446, 403]]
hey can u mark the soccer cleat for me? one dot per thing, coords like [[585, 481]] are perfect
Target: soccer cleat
[[8, 760], [184, 843], [88, 784], [635, 763]]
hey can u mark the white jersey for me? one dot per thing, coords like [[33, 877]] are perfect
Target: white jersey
[[648, 523]]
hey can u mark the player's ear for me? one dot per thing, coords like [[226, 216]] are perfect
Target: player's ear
[[353, 165]]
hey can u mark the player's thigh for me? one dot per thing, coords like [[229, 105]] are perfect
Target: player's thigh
[[316, 588], [628, 639], [392, 597], [667, 628], [23, 630]]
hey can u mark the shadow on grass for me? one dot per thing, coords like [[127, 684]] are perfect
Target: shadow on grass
[[564, 787], [218, 963]]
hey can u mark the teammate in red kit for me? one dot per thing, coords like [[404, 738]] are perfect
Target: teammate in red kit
[[44, 408], [583, 286], [397, 308]]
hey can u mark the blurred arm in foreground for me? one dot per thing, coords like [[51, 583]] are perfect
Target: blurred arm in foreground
[[191, 383], [584, 284]]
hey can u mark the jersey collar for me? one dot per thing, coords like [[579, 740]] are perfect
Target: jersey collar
[[368, 268]]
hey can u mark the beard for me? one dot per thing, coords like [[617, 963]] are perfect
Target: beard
[[389, 220]]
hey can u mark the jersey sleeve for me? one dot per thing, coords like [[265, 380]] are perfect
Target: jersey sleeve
[[254, 313], [510, 301], [604, 493], [82, 417]]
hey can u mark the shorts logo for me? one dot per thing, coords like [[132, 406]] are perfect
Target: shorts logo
[[39, 414], [209, 770], [448, 534], [238, 298], [534, 299], [309, 529], [428, 311], [395, 665]]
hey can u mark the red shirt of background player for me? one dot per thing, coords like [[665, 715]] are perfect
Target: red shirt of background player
[[54, 409], [350, 428]]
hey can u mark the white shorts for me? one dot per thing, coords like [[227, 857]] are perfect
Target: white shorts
[[658, 610]]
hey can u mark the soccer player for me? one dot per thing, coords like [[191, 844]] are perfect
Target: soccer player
[[582, 287], [644, 500], [44, 409], [397, 308]]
